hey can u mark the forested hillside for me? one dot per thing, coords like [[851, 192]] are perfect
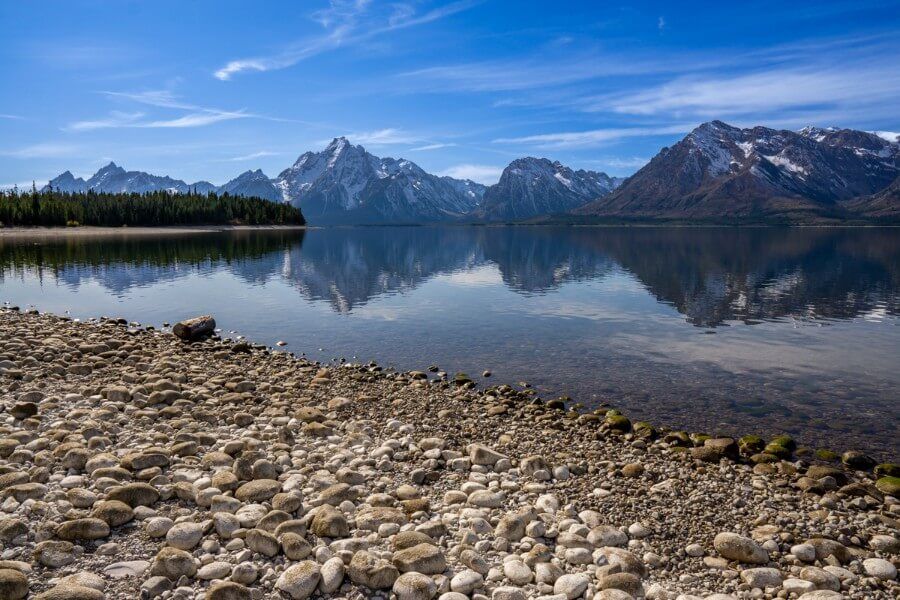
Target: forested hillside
[[51, 208]]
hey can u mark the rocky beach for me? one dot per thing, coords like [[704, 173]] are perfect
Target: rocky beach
[[136, 465]]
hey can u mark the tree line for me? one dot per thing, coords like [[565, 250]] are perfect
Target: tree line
[[48, 208]]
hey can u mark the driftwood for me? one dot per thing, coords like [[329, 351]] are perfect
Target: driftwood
[[197, 327]]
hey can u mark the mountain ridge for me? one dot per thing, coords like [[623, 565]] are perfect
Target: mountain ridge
[[717, 172], [721, 171]]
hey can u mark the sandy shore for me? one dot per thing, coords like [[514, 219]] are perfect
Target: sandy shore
[[133, 464], [69, 232]]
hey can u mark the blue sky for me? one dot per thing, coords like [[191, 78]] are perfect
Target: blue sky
[[208, 89]]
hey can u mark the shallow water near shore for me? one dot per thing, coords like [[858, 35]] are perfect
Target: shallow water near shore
[[715, 330]]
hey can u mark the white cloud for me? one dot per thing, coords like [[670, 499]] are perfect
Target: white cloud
[[661, 23], [593, 137], [346, 22], [11, 117], [891, 136], [767, 91], [115, 119], [383, 137], [132, 120], [198, 119], [45, 150], [485, 174], [252, 156], [161, 98], [427, 147]]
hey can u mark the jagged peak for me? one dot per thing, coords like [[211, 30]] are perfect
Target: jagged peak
[[110, 168], [337, 145]]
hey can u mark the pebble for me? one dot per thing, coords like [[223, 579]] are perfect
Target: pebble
[[195, 472]]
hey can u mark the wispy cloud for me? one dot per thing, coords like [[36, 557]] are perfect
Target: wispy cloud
[[384, 137], [770, 91], [115, 119], [593, 137], [132, 120], [486, 174], [252, 156], [11, 117], [198, 116], [661, 23], [161, 98], [345, 22], [428, 147], [198, 119], [45, 150]]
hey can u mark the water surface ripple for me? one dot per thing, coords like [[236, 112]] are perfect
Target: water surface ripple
[[716, 330]]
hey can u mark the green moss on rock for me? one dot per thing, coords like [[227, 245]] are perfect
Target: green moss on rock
[[827, 455], [763, 458], [618, 422], [889, 485], [751, 444], [888, 469], [785, 441]]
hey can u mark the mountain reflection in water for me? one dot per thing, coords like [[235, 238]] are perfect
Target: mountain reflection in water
[[606, 314]]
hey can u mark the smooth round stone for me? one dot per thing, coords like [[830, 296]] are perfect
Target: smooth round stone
[[804, 552], [466, 581], [880, 569], [159, 526], [13, 584], [517, 572], [571, 585], [300, 580], [214, 570], [184, 536], [414, 586]]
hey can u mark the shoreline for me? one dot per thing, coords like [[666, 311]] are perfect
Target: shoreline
[[89, 230], [628, 485]]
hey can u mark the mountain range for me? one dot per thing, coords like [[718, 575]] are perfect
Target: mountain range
[[722, 172], [345, 184], [717, 172]]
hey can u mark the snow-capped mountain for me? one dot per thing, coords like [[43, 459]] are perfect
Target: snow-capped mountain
[[114, 179], [252, 183], [722, 171], [345, 183], [531, 187]]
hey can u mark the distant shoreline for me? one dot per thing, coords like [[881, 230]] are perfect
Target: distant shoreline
[[60, 232]]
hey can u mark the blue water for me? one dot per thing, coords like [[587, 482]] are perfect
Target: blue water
[[715, 330]]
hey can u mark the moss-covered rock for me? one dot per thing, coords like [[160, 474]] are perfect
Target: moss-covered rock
[[645, 430], [751, 444], [889, 485], [461, 379], [857, 460], [763, 458], [827, 455], [888, 469], [698, 439], [618, 422], [678, 438], [778, 450], [784, 440]]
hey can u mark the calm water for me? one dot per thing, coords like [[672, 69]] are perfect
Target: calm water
[[718, 330]]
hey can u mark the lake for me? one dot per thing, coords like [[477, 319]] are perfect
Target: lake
[[717, 330]]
